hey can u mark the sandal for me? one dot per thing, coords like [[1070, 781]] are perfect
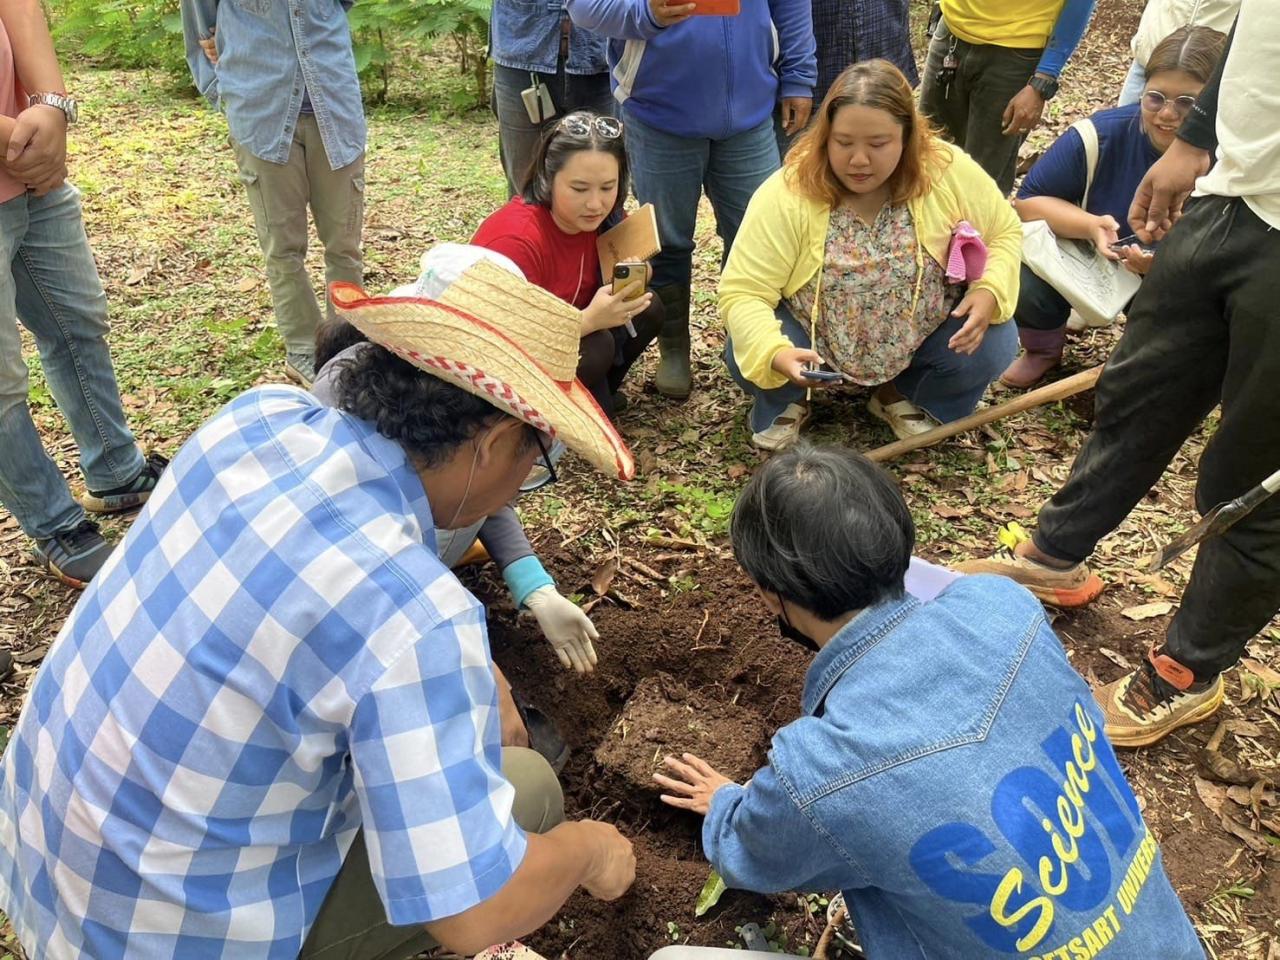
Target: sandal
[[785, 429], [904, 418]]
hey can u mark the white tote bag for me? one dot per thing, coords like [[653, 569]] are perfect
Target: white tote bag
[[1096, 287]]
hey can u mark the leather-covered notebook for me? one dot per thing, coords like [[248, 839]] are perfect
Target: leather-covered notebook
[[635, 238]]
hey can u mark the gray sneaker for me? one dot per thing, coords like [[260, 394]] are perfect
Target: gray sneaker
[[76, 556], [129, 496], [300, 368]]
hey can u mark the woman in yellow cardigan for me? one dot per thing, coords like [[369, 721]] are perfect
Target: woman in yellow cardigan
[[840, 262]]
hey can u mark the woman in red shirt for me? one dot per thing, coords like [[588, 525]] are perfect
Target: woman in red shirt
[[577, 180]]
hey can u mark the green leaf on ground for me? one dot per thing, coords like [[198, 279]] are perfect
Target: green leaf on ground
[[712, 890]]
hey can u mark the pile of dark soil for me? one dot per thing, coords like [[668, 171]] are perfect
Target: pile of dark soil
[[663, 717], [702, 670]]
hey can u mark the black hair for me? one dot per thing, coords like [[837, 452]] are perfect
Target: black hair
[[558, 145], [333, 337], [825, 529], [429, 417]]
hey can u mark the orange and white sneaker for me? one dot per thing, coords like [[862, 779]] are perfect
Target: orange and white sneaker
[[1151, 702], [1073, 586]]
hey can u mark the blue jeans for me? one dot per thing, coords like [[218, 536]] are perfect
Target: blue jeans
[[52, 286], [1134, 83], [670, 172], [518, 136], [946, 384]]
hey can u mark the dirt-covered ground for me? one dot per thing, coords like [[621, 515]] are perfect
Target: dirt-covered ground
[[192, 327]]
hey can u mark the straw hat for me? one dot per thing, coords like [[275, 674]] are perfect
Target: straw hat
[[496, 335]]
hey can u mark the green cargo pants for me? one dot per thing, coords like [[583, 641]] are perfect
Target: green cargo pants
[[352, 923], [279, 194]]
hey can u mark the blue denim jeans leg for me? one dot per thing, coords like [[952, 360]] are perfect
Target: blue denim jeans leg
[[948, 385], [1134, 83], [769, 404], [518, 136], [671, 172], [52, 286]]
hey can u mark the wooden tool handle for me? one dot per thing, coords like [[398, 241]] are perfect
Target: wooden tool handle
[[1060, 390]]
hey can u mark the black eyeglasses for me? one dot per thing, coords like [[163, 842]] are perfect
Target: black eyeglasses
[[608, 127], [1154, 101], [543, 470]]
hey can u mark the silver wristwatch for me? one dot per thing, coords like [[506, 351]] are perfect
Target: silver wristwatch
[[68, 106]]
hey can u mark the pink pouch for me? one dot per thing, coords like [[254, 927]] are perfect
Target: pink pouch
[[967, 258]]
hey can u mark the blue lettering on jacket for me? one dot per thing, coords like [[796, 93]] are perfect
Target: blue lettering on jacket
[[1060, 826]]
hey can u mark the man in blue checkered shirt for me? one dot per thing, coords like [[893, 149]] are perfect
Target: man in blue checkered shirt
[[270, 728]]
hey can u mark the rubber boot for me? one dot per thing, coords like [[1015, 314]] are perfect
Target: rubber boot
[[674, 378], [1042, 351]]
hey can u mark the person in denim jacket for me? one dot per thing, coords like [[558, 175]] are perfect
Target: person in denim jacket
[[284, 73], [948, 772], [534, 44]]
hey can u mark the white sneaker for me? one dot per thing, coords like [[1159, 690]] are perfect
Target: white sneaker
[[785, 429], [904, 418]]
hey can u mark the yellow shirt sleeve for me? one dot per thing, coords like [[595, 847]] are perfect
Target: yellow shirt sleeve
[[772, 247], [992, 215]]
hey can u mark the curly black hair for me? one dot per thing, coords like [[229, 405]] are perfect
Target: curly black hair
[[427, 416]]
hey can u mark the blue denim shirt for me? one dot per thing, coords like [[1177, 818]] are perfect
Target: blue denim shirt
[[269, 51], [525, 35], [949, 773]]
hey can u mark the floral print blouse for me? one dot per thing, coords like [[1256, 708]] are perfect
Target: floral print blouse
[[867, 327]]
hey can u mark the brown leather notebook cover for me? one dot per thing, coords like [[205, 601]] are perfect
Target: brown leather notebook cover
[[635, 238]]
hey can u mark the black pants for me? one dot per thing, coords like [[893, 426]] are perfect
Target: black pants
[[605, 356], [1203, 329], [970, 108], [1040, 307]]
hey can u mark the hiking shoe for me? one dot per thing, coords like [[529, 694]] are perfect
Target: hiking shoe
[[1143, 707], [1074, 586], [785, 429], [76, 556], [128, 496], [300, 368]]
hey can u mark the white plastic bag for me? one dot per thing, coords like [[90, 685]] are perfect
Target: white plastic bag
[[1098, 288]]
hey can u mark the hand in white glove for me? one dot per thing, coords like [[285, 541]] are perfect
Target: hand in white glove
[[564, 624]]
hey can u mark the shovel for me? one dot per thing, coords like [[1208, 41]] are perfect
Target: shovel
[[1218, 520]]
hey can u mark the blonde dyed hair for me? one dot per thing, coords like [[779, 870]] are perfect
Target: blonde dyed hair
[[882, 86]]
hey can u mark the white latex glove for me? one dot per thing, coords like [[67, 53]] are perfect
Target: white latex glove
[[569, 630]]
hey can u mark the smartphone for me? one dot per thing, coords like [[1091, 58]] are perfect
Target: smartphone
[[1131, 241], [824, 376], [629, 277], [717, 8]]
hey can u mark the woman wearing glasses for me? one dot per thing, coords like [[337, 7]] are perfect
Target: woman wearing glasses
[[1130, 139], [574, 186]]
